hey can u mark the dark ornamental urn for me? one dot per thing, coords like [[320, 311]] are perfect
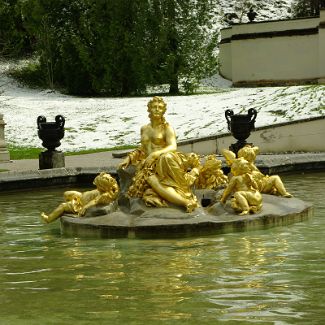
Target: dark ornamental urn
[[251, 15], [240, 126], [51, 132]]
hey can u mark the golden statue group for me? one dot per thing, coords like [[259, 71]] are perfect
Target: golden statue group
[[163, 176]]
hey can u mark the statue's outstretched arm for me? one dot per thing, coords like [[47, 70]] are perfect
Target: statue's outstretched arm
[[229, 189], [229, 156], [133, 158]]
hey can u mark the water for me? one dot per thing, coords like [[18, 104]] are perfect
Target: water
[[274, 276]]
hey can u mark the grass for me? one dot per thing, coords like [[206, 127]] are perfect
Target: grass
[[279, 112], [17, 153], [30, 75]]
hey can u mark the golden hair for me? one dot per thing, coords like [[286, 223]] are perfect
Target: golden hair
[[249, 153], [160, 101], [106, 182]]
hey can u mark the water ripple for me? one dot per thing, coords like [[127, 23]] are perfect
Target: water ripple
[[273, 276]]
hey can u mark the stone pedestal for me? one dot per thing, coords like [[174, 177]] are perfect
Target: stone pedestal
[[140, 221], [51, 159], [4, 153]]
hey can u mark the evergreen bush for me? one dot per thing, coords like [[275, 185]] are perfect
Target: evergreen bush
[[121, 47], [14, 38]]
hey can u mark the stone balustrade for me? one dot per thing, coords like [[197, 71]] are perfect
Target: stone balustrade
[[4, 153]]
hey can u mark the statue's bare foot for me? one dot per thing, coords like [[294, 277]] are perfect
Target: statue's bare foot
[[45, 217], [191, 206], [244, 213], [155, 201], [254, 208], [287, 194]]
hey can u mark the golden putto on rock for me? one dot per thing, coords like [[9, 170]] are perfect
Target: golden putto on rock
[[78, 203], [246, 197], [267, 184]]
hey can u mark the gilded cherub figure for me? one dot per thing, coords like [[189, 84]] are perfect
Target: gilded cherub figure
[[246, 197], [162, 173], [211, 175], [267, 184], [78, 203]]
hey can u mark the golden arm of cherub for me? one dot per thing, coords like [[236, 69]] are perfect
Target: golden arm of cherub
[[228, 190], [84, 209], [229, 156], [251, 183]]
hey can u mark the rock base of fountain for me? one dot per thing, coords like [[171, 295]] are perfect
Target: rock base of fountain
[[51, 159], [135, 220]]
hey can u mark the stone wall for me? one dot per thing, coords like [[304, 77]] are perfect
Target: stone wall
[[278, 52], [300, 136]]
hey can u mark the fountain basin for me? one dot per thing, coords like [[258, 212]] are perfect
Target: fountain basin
[[165, 223]]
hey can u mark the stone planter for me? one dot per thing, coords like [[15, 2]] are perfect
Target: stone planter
[[51, 133], [240, 126]]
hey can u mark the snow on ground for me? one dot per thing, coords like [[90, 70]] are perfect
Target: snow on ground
[[109, 122], [265, 9]]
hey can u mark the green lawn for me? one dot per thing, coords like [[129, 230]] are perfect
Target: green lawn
[[17, 153]]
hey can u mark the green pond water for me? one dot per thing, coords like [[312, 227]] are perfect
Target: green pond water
[[274, 276]]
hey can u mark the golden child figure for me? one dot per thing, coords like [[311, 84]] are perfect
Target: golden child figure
[[246, 197], [79, 202], [268, 184]]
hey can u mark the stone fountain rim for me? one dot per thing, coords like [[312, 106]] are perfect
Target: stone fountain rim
[[14, 180]]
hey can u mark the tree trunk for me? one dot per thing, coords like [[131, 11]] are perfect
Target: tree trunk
[[173, 85], [173, 78]]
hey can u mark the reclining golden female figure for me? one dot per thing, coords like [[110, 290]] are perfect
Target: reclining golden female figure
[[242, 186], [162, 173], [78, 203]]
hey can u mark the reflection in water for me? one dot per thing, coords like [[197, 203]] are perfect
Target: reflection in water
[[274, 276]]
